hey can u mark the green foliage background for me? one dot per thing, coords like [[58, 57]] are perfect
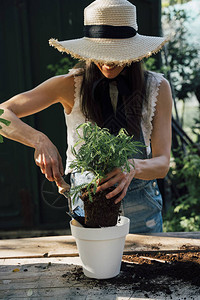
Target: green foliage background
[[7, 123], [183, 214], [63, 66], [184, 176], [166, 3]]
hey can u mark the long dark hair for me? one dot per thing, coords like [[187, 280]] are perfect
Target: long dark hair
[[135, 76]]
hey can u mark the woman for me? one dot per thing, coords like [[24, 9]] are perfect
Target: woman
[[112, 90]]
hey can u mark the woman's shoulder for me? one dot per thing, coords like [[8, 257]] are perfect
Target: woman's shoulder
[[156, 80], [158, 91], [76, 71], [157, 86], [152, 76], [66, 79]]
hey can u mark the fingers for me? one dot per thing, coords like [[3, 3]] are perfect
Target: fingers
[[122, 195], [61, 169], [50, 165], [112, 180], [120, 178], [111, 174], [120, 190], [55, 168], [42, 164], [63, 186]]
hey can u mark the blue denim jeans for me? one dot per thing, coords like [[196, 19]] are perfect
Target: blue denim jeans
[[143, 206], [77, 179], [142, 203]]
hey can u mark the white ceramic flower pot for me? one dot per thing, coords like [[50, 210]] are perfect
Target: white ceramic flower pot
[[101, 249]]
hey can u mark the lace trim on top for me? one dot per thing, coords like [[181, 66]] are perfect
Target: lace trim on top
[[74, 119], [77, 87], [153, 84]]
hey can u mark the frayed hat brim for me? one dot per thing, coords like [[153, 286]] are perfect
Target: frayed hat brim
[[118, 51]]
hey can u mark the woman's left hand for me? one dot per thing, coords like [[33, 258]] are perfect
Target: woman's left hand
[[122, 179]]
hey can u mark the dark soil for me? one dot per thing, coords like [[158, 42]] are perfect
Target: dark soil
[[181, 266], [150, 273], [101, 212]]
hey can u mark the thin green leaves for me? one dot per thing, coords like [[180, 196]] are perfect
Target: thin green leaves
[[101, 152], [6, 122]]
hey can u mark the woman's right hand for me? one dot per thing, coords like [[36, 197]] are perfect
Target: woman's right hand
[[49, 160]]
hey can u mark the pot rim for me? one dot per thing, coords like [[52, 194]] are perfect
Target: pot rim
[[121, 229]]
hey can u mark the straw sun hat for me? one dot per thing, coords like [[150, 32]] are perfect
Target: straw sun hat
[[110, 35]]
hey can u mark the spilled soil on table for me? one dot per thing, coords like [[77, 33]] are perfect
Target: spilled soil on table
[[177, 266], [155, 273]]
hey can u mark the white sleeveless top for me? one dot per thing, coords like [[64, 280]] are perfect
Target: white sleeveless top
[[76, 117]]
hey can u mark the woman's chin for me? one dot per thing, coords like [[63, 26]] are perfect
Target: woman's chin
[[110, 71]]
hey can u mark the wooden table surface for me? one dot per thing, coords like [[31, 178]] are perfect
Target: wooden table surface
[[33, 268], [65, 246]]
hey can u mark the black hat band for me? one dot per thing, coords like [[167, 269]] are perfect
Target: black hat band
[[109, 31]]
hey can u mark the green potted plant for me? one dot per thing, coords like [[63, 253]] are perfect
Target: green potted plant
[[6, 122], [101, 245], [99, 154]]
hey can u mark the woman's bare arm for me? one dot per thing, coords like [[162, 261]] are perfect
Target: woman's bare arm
[[158, 165], [57, 89]]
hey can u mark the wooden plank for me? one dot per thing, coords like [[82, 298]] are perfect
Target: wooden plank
[[72, 293], [146, 243], [186, 235], [65, 246], [38, 247], [49, 283], [38, 283], [35, 266]]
